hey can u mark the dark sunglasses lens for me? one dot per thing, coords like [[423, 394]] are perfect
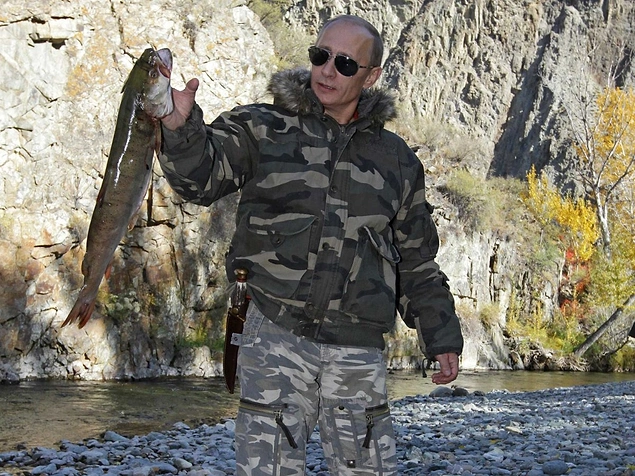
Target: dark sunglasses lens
[[345, 66], [318, 56]]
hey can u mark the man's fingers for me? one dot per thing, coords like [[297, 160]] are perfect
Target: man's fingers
[[183, 103], [449, 364], [192, 85]]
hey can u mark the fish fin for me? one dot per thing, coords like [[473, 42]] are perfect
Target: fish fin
[[133, 221], [125, 84], [157, 139], [85, 316], [108, 270], [101, 195], [150, 189], [82, 310], [149, 203]]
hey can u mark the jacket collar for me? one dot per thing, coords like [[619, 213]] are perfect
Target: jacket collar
[[291, 90]]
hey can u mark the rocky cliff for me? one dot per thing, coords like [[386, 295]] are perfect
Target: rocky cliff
[[497, 72], [64, 64]]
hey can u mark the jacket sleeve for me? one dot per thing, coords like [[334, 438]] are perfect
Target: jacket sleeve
[[203, 163], [425, 300]]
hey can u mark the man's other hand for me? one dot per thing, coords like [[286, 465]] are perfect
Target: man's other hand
[[183, 104], [449, 368]]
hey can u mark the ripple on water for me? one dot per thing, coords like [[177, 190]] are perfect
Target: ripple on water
[[41, 413]]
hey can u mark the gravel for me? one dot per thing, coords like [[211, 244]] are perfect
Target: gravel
[[585, 430]]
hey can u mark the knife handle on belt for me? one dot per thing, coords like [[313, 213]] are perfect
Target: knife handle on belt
[[236, 315]]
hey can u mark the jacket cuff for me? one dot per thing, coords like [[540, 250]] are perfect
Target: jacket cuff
[[194, 125]]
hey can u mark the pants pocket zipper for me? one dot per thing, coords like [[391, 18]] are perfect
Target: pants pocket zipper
[[271, 410], [371, 414]]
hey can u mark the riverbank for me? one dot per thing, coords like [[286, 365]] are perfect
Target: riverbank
[[584, 430]]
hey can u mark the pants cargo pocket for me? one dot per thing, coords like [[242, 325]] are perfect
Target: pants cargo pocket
[[267, 434], [359, 437]]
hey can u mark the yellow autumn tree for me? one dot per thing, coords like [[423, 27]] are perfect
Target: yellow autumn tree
[[573, 220], [605, 147]]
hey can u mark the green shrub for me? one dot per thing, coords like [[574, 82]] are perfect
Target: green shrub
[[624, 359], [290, 44], [485, 204], [197, 337]]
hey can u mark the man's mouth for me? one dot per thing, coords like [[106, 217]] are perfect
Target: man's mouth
[[326, 86]]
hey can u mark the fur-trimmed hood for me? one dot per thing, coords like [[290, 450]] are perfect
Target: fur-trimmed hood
[[291, 90]]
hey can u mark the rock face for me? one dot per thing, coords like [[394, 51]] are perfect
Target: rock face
[[64, 64], [496, 71]]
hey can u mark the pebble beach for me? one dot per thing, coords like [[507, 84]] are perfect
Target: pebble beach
[[584, 430]]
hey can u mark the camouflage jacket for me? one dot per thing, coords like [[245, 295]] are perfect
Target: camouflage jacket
[[332, 224]]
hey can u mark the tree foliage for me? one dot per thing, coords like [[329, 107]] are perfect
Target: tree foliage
[[613, 277], [573, 220], [605, 147]]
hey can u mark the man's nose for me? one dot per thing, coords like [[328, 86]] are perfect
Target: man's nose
[[328, 68]]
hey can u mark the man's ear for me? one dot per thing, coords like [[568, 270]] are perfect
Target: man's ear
[[372, 77]]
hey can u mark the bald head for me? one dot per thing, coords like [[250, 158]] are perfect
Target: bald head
[[377, 52]]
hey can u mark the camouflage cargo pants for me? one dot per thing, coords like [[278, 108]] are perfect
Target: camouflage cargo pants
[[288, 383]]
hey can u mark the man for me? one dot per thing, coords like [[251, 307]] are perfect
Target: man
[[336, 234]]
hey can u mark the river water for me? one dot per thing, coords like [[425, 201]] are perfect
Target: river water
[[41, 413]]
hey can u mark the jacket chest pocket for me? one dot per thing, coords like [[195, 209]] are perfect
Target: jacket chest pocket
[[274, 249], [370, 288]]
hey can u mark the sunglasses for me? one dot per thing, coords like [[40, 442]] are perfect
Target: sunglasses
[[343, 64]]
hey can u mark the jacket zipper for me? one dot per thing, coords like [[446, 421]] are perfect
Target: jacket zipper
[[324, 294]]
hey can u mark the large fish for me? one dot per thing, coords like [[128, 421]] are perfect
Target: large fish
[[147, 96]]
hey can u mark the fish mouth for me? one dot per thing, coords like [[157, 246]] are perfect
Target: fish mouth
[[164, 62], [164, 71]]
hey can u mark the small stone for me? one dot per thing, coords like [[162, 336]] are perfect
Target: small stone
[[514, 429], [230, 425], [142, 471], [48, 469], [181, 426], [93, 456], [496, 455], [114, 436], [460, 392], [180, 463], [555, 467], [441, 392]]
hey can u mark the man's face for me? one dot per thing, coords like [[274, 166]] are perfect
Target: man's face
[[338, 93]]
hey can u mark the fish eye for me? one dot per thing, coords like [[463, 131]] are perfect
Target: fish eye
[[154, 74]]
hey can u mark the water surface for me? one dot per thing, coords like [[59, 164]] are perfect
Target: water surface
[[41, 413]]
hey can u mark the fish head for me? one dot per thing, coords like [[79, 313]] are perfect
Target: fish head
[[156, 99]]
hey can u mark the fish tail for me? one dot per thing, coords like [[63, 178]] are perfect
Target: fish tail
[[82, 310]]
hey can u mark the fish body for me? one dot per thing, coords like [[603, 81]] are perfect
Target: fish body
[[147, 96]]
